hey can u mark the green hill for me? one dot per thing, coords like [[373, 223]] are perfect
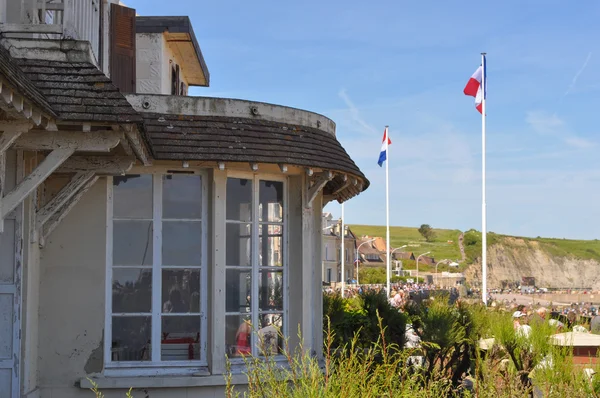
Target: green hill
[[441, 248], [444, 246]]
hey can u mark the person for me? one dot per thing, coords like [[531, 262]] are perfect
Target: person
[[520, 324], [595, 324], [242, 339]]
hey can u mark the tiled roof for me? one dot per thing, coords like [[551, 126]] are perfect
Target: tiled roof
[[15, 76], [234, 139], [78, 91]]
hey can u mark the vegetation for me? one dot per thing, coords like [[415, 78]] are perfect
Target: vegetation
[[374, 276], [448, 363], [399, 236], [365, 355], [427, 232]]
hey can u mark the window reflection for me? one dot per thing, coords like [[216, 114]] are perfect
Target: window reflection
[[238, 244], [131, 290], [238, 290], [132, 196], [239, 199], [181, 291], [182, 196], [270, 291], [182, 243], [131, 338], [271, 201]]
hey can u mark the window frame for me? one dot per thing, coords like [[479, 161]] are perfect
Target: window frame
[[256, 267], [157, 367]]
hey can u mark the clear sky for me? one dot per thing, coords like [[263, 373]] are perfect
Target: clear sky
[[367, 64]]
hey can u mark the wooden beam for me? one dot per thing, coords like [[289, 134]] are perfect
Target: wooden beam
[[319, 181], [15, 125], [61, 198], [8, 138], [137, 144], [61, 213], [33, 180], [31, 28], [97, 141], [100, 165]]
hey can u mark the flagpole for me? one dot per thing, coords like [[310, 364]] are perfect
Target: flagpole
[[387, 209], [343, 235], [483, 203]]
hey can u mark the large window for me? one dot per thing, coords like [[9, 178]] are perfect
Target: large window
[[156, 270], [256, 266]]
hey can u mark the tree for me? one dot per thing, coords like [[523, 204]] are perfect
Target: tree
[[427, 232]]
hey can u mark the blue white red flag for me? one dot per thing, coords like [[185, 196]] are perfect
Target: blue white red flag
[[475, 85], [384, 147]]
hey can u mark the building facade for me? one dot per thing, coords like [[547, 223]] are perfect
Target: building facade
[[146, 235], [332, 251]]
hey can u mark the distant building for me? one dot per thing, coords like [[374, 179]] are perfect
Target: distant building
[[332, 248]]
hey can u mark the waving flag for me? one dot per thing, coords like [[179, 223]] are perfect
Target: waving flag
[[384, 147], [475, 86]]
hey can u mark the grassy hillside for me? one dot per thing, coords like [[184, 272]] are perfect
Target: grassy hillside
[[570, 248], [440, 248]]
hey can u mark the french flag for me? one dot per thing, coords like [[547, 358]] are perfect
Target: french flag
[[476, 86], [384, 147]]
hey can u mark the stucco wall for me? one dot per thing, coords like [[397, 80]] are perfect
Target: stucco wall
[[71, 290], [149, 63], [154, 59]]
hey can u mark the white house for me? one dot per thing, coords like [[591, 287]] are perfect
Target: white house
[[332, 250], [143, 231]]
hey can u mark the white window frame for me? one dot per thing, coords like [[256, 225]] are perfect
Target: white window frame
[[256, 178], [151, 368]]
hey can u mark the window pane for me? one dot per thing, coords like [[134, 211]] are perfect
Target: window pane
[[132, 242], [270, 341], [181, 291], [131, 338], [239, 199], [238, 290], [238, 335], [182, 196], [270, 291], [271, 247], [131, 290], [238, 245], [132, 196], [271, 201], [182, 243], [180, 338]]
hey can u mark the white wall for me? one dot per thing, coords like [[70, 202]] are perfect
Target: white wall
[[154, 59], [71, 289]]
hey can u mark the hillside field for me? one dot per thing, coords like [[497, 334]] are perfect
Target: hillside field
[[440, 248]]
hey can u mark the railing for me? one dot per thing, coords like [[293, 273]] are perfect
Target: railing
[[69, 19]]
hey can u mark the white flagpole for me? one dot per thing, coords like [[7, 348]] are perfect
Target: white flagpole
[[387, 210], [343, 254], [483, 204]]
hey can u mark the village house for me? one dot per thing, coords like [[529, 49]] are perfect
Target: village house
[[145, 234], [332, 250], [368, 254]]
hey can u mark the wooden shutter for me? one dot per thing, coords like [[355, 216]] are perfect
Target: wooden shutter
[[122, 47]]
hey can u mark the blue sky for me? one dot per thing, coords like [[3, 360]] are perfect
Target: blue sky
[[404, 64]]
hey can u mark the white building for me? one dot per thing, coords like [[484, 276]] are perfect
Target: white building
[[141, 233], [332, 249]]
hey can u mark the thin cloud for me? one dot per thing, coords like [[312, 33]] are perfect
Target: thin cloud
[[355, 113], [574, 81], [548, 124]]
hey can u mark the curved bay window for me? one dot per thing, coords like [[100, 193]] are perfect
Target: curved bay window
[[255, 288], [157, 299]]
